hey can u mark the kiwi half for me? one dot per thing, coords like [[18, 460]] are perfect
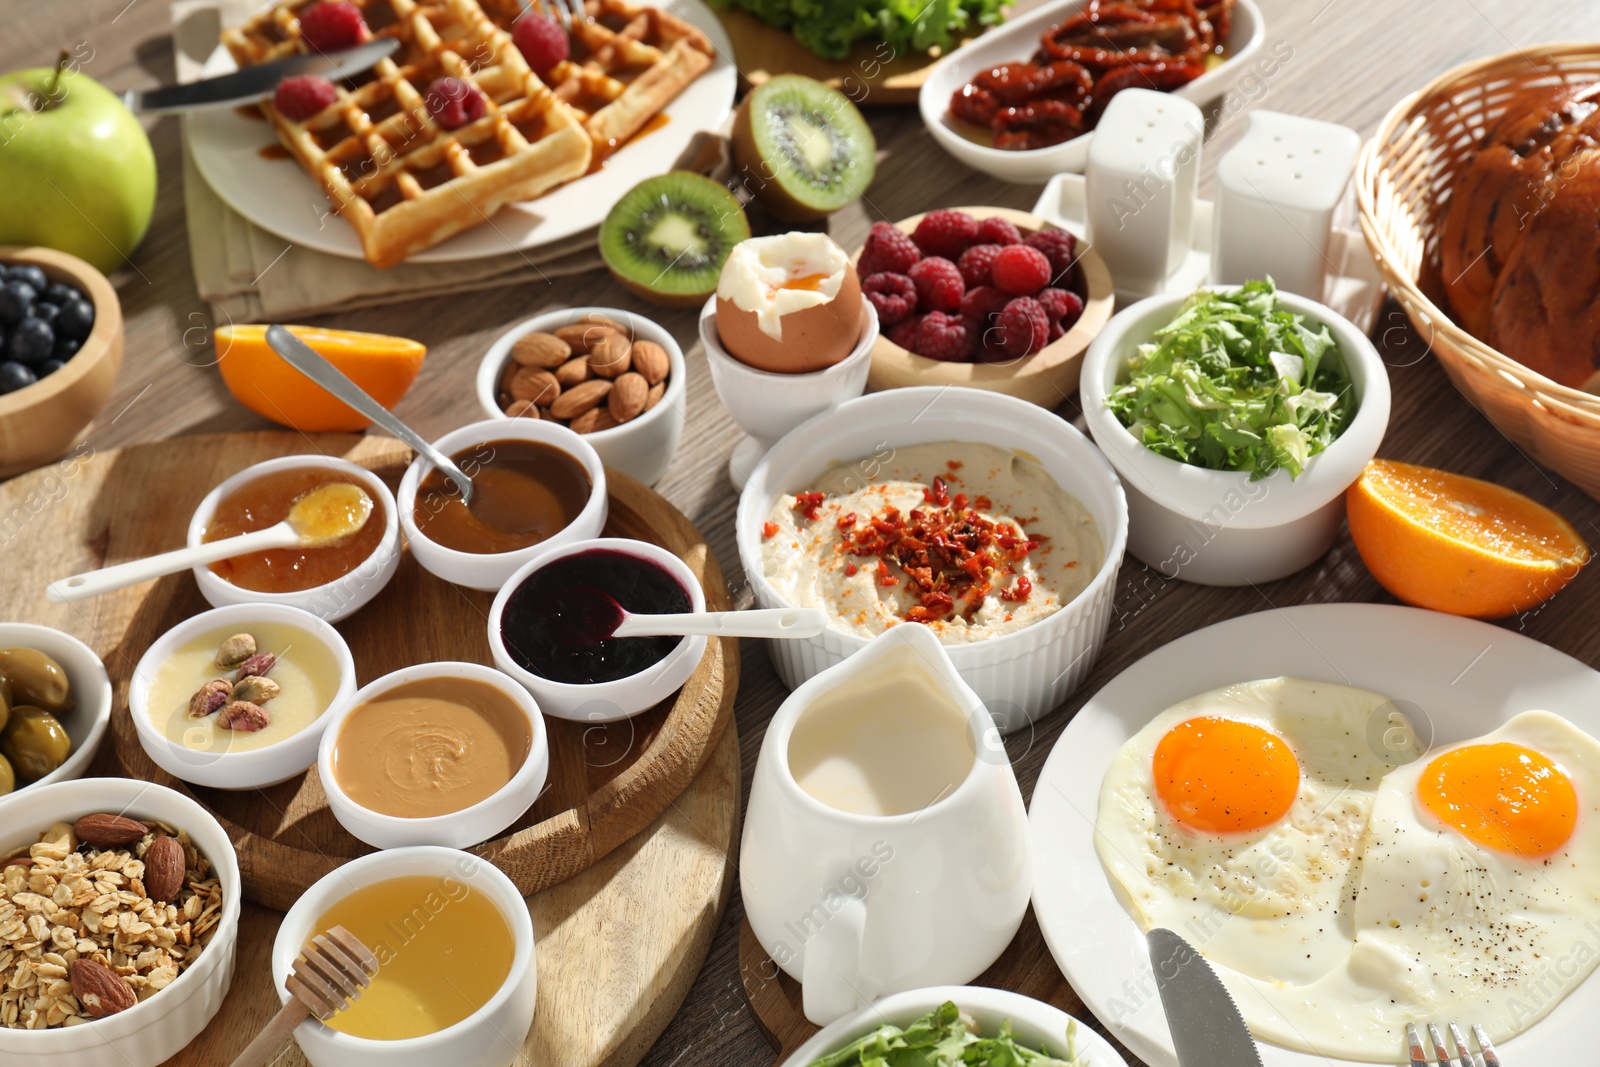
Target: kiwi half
[[668, 237], [802, 148]]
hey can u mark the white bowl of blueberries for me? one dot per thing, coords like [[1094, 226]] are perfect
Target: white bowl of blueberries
[[60, 349]]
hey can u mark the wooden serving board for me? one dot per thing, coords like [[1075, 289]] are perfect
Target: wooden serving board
[[606, 783]]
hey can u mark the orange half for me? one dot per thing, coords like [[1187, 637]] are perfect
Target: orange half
[[1457, 544], [262, 381]]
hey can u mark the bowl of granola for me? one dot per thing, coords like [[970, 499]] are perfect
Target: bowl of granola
[[138, 959]]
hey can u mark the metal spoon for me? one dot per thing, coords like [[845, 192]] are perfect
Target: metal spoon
[[324, 515], [305, 359]]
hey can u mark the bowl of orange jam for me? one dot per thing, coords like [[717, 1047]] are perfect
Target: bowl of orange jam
[[331, 581]]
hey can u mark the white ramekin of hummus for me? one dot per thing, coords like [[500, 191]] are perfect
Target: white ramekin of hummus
[[1030, 635]]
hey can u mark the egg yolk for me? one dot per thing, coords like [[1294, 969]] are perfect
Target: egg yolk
[[1502, 796], [1222, 776]]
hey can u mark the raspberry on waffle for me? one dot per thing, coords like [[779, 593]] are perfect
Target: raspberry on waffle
[[402, 181]]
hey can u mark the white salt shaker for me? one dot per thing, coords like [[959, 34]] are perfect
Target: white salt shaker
[[1276, 193], [1144, 164]]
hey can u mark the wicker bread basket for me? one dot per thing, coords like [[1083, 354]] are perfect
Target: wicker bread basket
[[1403, 182]]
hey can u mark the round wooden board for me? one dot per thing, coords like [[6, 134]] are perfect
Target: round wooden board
[[1047, 377], [607, 782]]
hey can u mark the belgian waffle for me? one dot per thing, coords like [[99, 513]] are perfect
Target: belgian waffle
[[628, 62], [404, 182]]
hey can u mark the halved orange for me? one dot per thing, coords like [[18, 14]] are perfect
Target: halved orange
[[262, 381], [1457, 544]]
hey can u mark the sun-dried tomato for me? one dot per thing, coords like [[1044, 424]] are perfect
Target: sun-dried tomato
[[808, 504], [769, 529]]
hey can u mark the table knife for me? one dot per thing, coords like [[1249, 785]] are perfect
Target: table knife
[[1207, 1029], [254, 84]]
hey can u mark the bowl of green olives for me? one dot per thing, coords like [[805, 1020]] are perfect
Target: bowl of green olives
[[55, 703]]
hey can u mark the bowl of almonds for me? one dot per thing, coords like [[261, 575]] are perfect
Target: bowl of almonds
[[615, 377], [119, 913]]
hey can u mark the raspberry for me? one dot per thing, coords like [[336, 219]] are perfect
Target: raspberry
[[300, 97], [542, 42], [1021, 270], [905, 334], [946, 233], [894, 295], [997, 231], [1024, 328], [939, 284], [1062, 307], [979, 307], [1059, 247], [332, 27], [976, 263], [888, 250], [453, 103], [942, 337]]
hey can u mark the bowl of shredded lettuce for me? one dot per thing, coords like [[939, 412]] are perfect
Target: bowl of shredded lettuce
[[1236, 417]]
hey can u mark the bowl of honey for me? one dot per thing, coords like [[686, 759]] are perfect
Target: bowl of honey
[[535, 486], [457, 975], [330, 581]]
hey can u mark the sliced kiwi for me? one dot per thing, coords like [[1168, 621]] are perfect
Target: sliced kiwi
[[668, 237], [802, 148]]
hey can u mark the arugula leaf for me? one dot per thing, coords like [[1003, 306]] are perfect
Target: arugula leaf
[[945, 1037], [1237, 382], [830, 28]]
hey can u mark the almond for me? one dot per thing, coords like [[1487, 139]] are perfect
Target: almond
[[593, 421], [109, 831], [522, 409], [99, 989], [650, 360], [657, 391], [572, 372], [629, 394], [166, 868], [580, 398], [581, 336], [544, 350], [531, 383], [17, 861], [601, 320], [611, 355]]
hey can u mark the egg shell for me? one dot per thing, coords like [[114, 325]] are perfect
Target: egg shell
[[814, 338]]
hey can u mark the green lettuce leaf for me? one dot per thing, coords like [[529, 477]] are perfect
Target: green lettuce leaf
[[830, 28], [945, 1038]]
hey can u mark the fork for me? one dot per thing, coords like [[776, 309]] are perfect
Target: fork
[[566, 12], [1463, 1053]]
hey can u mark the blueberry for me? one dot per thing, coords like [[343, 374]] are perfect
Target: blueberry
[[27, 272], [16, 299], [49, 366], [57, 293], [66, 348], [14, 376], [46, 312], [32, 342], [76, 319]]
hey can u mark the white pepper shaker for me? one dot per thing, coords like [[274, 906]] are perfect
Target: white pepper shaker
[[1276, 194], [1144, 165]]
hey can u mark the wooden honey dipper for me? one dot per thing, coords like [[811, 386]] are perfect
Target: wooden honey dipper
[[329, 974]]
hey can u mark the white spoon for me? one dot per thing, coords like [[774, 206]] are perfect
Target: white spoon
[[321, 516], [590, 614]]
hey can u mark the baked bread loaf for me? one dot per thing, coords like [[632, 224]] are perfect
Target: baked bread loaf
[[1520, 245]]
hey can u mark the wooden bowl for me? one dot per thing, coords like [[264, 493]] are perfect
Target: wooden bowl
[[1047, 377], [42, 422]]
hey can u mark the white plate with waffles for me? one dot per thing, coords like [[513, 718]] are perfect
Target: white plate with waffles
[[241, 158]]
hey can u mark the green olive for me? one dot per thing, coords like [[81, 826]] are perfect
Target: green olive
[[34, 742], [36, 679], [5, 700], [8, 777]]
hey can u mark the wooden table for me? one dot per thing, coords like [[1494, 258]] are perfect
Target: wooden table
[[1347, 61]]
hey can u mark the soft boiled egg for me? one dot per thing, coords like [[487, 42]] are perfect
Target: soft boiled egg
[[1235, 818], [789, 304]]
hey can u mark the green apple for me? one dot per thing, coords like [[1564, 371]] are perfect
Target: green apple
[[77, 169]]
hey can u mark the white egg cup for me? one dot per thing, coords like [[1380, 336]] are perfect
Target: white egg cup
[[766, 405]]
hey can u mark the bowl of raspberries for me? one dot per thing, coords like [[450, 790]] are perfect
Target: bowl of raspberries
[[982, 297]]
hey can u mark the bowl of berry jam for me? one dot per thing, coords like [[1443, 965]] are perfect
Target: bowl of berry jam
[[550, 628]]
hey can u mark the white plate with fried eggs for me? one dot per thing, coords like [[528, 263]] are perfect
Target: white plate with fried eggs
[[1360, 814]]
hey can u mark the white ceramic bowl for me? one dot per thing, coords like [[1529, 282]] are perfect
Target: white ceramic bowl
[[221, 768], [1022, 675], [1219, 527], [490, 1037], [156, 1029], [489, 571], [1036, 1024], [642, 448], [336, 599], [91, 690], [1015, 42], [458, 829], [618, 699]]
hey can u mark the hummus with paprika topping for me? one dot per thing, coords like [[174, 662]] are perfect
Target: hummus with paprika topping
[[971, 540]]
